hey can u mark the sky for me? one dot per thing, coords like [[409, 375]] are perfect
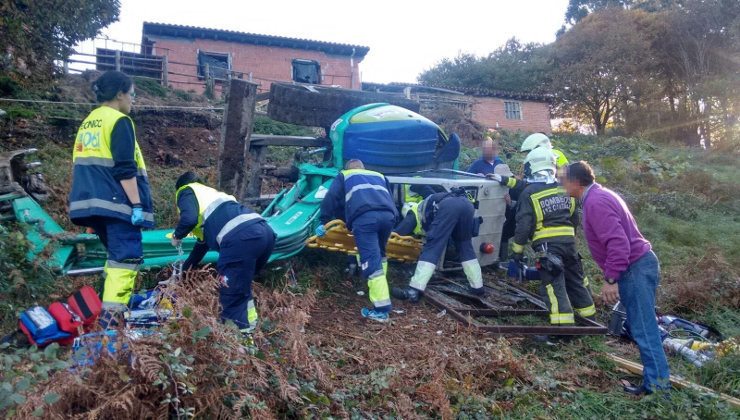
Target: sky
[[405, 37]]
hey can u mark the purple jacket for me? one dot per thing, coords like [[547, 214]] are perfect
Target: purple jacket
[[611, 231]]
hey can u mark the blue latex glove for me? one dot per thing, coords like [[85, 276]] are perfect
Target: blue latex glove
[[137, 216], [320, 231]]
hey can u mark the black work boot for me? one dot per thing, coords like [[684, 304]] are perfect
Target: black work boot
[[480, 292], [409, 293]]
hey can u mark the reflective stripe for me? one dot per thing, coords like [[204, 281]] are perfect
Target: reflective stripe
[[119, 282], [348, 196], [381, 303], [125, 266], [554, 306], [550, 232], [587, 311], [141, 172], [251, 314], [233, 223], [208, 200], [107, 205], [379, 293], [214, 205], [511, 182], [99, 161], [424, 272], [472, 271], [562, 319], [517, 248], [349, 173]]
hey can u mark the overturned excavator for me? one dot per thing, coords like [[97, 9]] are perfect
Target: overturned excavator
[[407, 147]]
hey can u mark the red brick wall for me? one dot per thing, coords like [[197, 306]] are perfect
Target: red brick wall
[[264, 62], [491, 111]]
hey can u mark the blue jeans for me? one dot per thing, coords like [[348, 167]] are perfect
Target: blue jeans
[[637, 287]]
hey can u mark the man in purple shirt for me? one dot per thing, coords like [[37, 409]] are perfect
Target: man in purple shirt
[[631, 269]]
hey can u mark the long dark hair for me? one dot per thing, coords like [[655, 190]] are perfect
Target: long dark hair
[[110, 83]]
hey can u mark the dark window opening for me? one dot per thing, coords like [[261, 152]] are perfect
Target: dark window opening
[[218, 64], [306, 71], [513, 110]]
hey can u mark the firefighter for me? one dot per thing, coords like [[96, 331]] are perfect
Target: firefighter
[[536, 140], [363, 200], [242, 238], [441, 216], [110, 189], [548, 216]]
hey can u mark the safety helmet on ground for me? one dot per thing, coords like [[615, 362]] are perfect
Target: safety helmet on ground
[[539, 159], [534, 141]]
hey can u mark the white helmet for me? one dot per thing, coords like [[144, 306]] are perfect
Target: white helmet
[[539, 159], [534, 141]]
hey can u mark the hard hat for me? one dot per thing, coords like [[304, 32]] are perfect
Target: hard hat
[[539, 159], [534, 141]]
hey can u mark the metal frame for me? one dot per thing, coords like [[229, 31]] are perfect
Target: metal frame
[[465, 315]]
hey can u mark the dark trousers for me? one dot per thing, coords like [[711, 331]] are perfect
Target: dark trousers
[[371, 231], [568, 291], [453, 220], [244, 252]]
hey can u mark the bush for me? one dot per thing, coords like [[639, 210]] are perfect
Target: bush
[[22, 282], [151, 87]]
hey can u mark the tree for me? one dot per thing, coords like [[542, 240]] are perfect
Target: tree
[[35, 33], [513, 67], [602, 63]]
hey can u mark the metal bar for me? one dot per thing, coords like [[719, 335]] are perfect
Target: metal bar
[[542, 330], [84, 271]]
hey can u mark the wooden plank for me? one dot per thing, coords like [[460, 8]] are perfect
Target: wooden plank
[[319, 106], [236, 130], [680, 383], [275, 140]]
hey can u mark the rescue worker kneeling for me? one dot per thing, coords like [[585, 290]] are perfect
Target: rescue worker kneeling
[[363, 200], [441, 216], [546, 214], [242, 238]]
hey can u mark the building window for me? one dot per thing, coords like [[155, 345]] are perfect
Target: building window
[[306, 71], [218, 64], [513, 110]]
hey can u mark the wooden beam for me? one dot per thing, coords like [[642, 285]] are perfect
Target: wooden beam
[[274, 140], [320, 106], [636, 368], [236, 131]]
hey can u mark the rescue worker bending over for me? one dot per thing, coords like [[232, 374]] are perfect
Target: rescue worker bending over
[[441, 216], [547, 215], [110, 189], [363, 200], [242, 238]]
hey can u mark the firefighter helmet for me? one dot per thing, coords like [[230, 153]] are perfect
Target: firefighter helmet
[[537, 160], [534, 141]]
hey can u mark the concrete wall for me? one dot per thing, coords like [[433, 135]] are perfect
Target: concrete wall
[[264, 62], [491, 111]]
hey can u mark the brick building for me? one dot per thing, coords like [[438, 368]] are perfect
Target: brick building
[[495, 109], [264, 58]]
